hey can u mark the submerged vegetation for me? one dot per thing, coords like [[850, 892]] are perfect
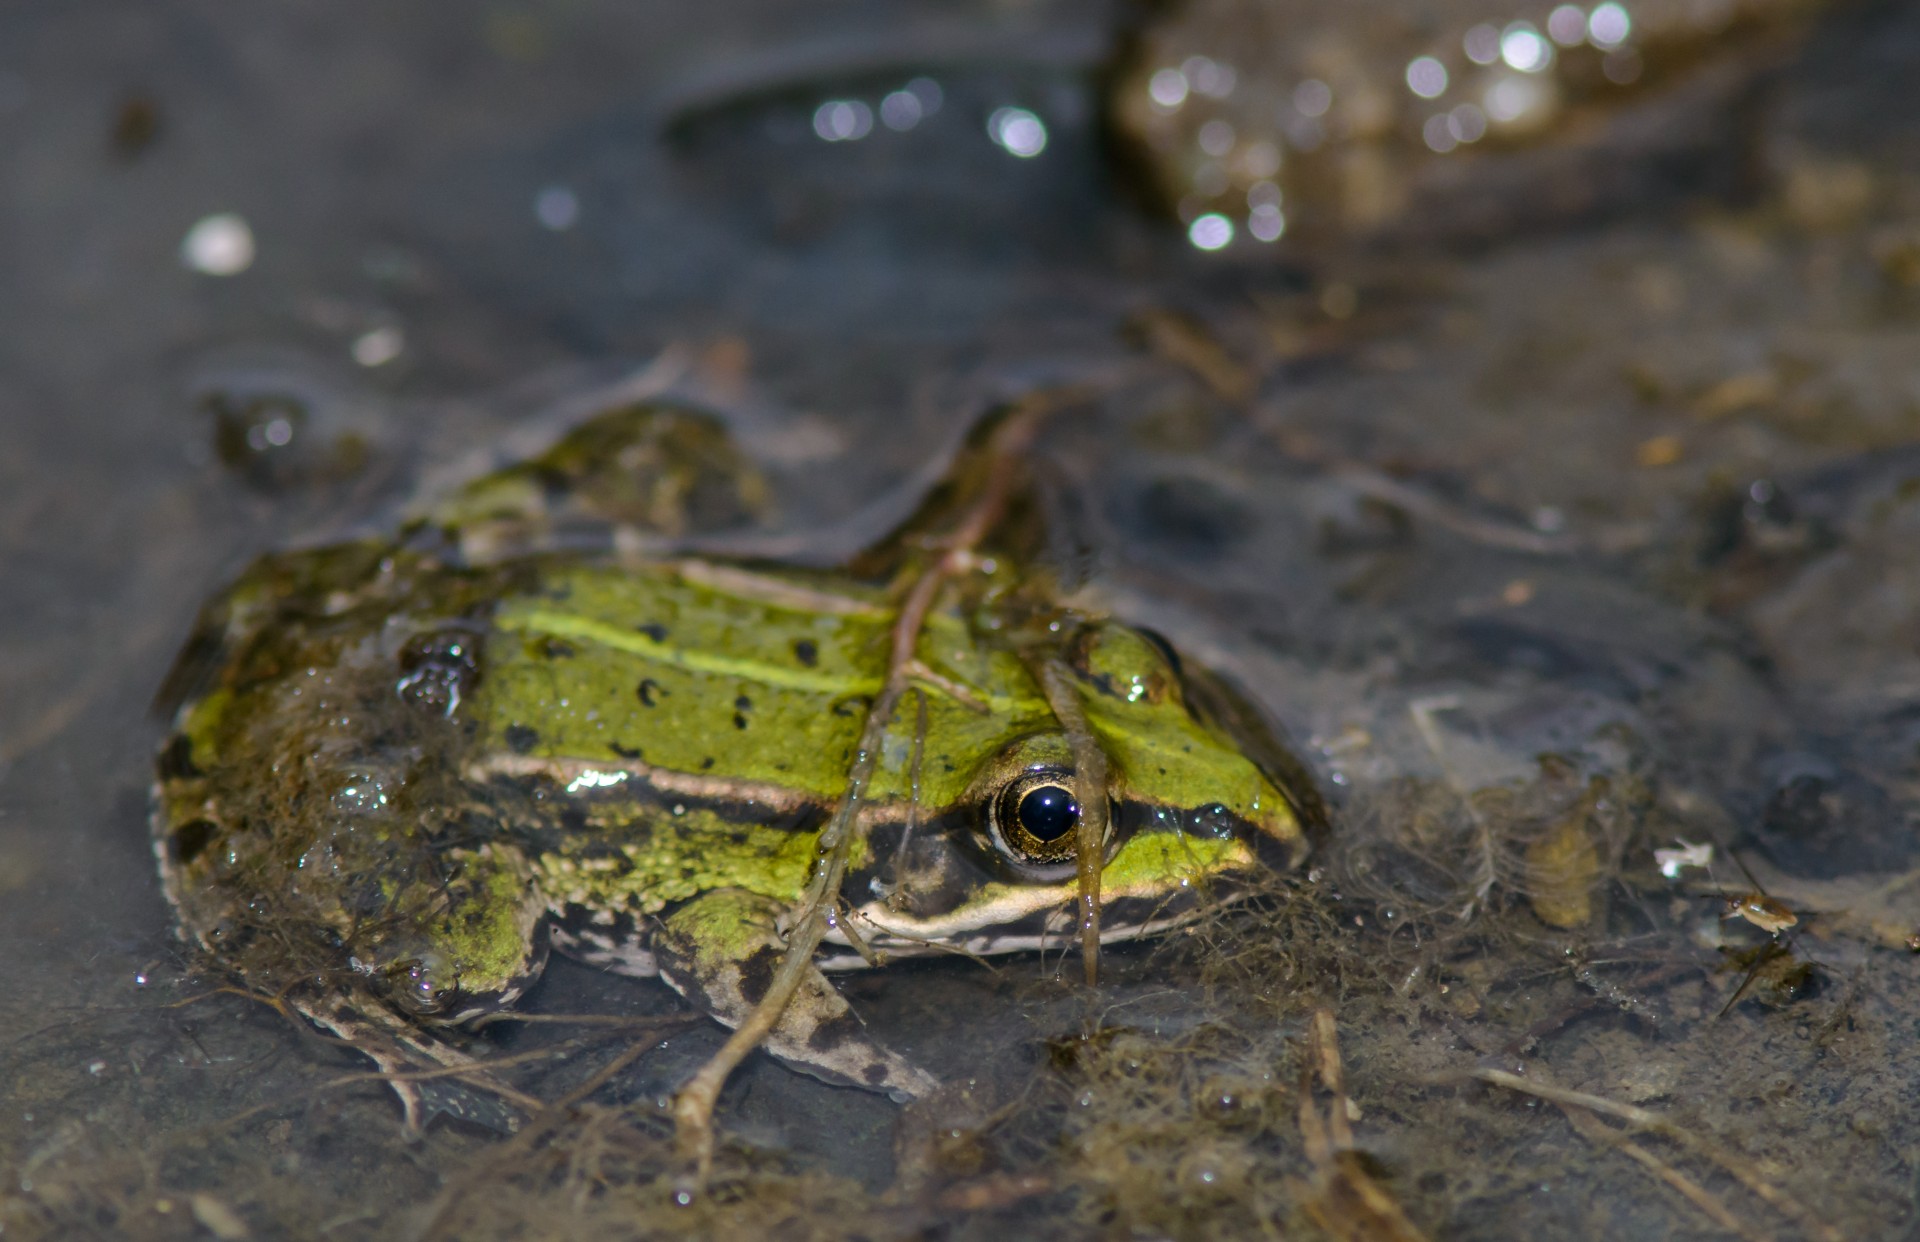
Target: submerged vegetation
[[1308, 1059], [1584, 572]]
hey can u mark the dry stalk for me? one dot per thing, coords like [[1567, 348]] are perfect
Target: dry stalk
[[1090, 774], [1346, 1200], [1594, 1130], [693, 1107], [1742, 1170]]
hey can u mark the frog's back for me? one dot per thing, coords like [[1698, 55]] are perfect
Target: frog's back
[[729, 683]]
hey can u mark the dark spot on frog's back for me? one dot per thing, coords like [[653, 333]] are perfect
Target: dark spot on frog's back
[[806, 651], [191, 839], [625, 752], [520, 739], [649, 691], [175, 762], [654, 630]]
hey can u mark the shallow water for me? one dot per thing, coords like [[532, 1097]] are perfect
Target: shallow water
[[1633, 493]]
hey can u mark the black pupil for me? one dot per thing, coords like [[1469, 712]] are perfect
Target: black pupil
[[1048, 813]]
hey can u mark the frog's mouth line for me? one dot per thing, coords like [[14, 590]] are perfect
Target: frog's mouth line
[[1014, 918], [1043, 924]]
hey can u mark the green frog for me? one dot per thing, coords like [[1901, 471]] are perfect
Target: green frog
[[404, 769]]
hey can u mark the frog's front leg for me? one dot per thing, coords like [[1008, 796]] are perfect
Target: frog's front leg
[[720, 951]]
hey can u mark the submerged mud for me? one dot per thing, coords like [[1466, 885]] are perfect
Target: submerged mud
[[1575, 565]]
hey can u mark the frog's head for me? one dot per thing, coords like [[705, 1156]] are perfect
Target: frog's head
[[465, 943], [1197, 788], [351, 867]]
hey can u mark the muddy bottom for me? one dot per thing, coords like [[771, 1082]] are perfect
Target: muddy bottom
[[1576, 562]]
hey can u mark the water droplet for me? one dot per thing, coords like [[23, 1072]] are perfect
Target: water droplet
[[219, 245]]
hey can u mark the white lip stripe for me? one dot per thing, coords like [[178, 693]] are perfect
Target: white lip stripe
[[986, 945], [1010, 906], [621, 956]]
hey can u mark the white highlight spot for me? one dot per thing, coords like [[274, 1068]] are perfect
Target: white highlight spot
[[219, 245], [1266, 222], [1209, 77], [1210, 232], [1167, 88], [928, 92], [1467, 123], [1482, 44], [842, 120], [900, 111], [1673, 862], [1609, 25], [1439, 134], [274, 433], [1427, 77], [1216, 137], [592, 779], [1018, 132], [1522, 47], [379, 347], [1567, 25], [557, 208], [1509, 99]]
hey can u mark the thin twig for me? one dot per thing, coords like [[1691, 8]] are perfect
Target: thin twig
[[1090, 775], [1594, 1130], [1346, 1200], [693, 1107], [914, 774], [1742, 1170], [1326, 1041]]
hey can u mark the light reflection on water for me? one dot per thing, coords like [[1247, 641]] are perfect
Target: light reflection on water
[[1395, 617]]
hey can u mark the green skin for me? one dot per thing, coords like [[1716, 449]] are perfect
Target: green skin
[[400, 773]]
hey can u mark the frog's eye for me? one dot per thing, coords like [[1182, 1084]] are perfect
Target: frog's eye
[[424, 986], [1034, 818]]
